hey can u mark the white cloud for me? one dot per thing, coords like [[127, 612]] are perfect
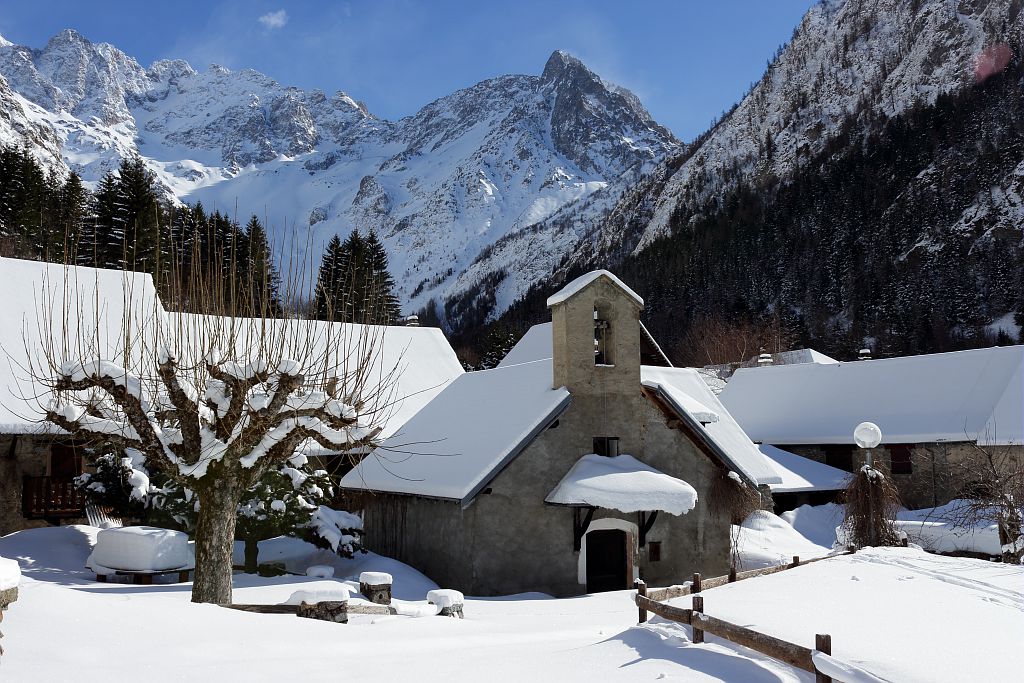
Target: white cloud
[[272, 20]]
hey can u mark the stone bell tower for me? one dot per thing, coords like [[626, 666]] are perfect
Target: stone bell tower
[[596, 336]]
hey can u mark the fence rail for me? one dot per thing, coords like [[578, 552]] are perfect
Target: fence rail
[[653, 600]]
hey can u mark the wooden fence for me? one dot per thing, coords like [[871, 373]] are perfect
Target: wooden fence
[[652, 600]]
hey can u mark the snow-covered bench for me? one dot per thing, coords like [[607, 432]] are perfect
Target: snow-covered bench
[[141, 553]]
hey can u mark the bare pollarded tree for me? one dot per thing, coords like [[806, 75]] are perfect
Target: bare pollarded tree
[[212, 395]]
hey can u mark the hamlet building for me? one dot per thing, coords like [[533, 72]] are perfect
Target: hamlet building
[[73, 305], [569, 468], [938, 414]]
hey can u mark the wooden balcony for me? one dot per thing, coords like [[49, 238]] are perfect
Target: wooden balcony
[[51, 498]]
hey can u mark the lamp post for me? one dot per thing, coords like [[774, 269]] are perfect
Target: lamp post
[[867, 435]]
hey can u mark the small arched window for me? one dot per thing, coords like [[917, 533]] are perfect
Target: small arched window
[[602, 339]]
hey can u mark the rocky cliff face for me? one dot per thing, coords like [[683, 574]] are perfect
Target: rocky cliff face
[[863, 61], [440, 186]]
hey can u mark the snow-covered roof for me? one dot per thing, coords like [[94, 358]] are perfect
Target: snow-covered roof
[[802, 474], [684, 388], [413, 363], [975, 395], [622, 483], [689, 392], [79, 307], [577, 285], [456, 443], [44, 301], [794, 357], [534, 345]]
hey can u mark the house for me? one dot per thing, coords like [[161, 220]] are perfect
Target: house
[[569, 468], [937, 412], [89, 307]]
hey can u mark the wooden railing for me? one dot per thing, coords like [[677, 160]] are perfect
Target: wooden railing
[[51, 498], [653, 600]]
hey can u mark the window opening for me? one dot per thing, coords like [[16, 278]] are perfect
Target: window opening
[[608, 446], [899, 459], [602, 338]]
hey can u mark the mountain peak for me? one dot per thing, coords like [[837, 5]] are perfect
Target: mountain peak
[[561, 62], [68, 36]]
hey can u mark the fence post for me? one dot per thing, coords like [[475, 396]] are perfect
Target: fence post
[[695, 586], [732, 574], [641, 589], [822, 643], [796, 560], [698, 607]]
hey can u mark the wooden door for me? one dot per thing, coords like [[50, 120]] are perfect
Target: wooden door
[[607, 560]]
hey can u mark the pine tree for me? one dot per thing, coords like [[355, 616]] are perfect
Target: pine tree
[[261, 277], [328, 303], [381, 291]]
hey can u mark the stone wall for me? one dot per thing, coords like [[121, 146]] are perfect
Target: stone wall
[[20, 456], [509, 540], [940, 471]]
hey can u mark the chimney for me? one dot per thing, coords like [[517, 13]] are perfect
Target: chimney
[[864, 354], [411, 321], [764, 359]]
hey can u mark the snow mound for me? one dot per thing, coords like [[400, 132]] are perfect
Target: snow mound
[[946, 529], [375, 578], [141, 548], [314, 595], [445, 597], [817, 523], [10, 574], [622, 483], [765, 540], [320, 571]]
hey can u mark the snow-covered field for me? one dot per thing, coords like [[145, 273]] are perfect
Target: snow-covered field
[[888, 610]]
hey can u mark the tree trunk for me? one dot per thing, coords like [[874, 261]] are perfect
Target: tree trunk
[[215, 538], [252, 554]]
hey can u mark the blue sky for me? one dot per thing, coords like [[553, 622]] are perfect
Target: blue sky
[[688, 60]]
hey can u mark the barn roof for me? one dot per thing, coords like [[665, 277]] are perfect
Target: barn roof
[[973, 395], [45, 300]]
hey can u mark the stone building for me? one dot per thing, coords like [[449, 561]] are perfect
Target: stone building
[[940, 414], [89, 307], [563, 471]]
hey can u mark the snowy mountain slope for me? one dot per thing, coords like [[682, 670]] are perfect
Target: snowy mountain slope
[[865, 59], [846, 57], [439, 186]]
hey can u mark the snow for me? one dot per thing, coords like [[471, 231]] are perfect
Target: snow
[[816, 523], [376, 578], [803, 474], [312, 597], [10, 574], [765, 540], [445, 597], [320, 571], [958, 396], [622, 483], [534, 345], [82, 308], [573, 288], [141, 548], [887, 610], [86, 308], [886, 623], [687, 390], [945, 529], [453, 445]]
